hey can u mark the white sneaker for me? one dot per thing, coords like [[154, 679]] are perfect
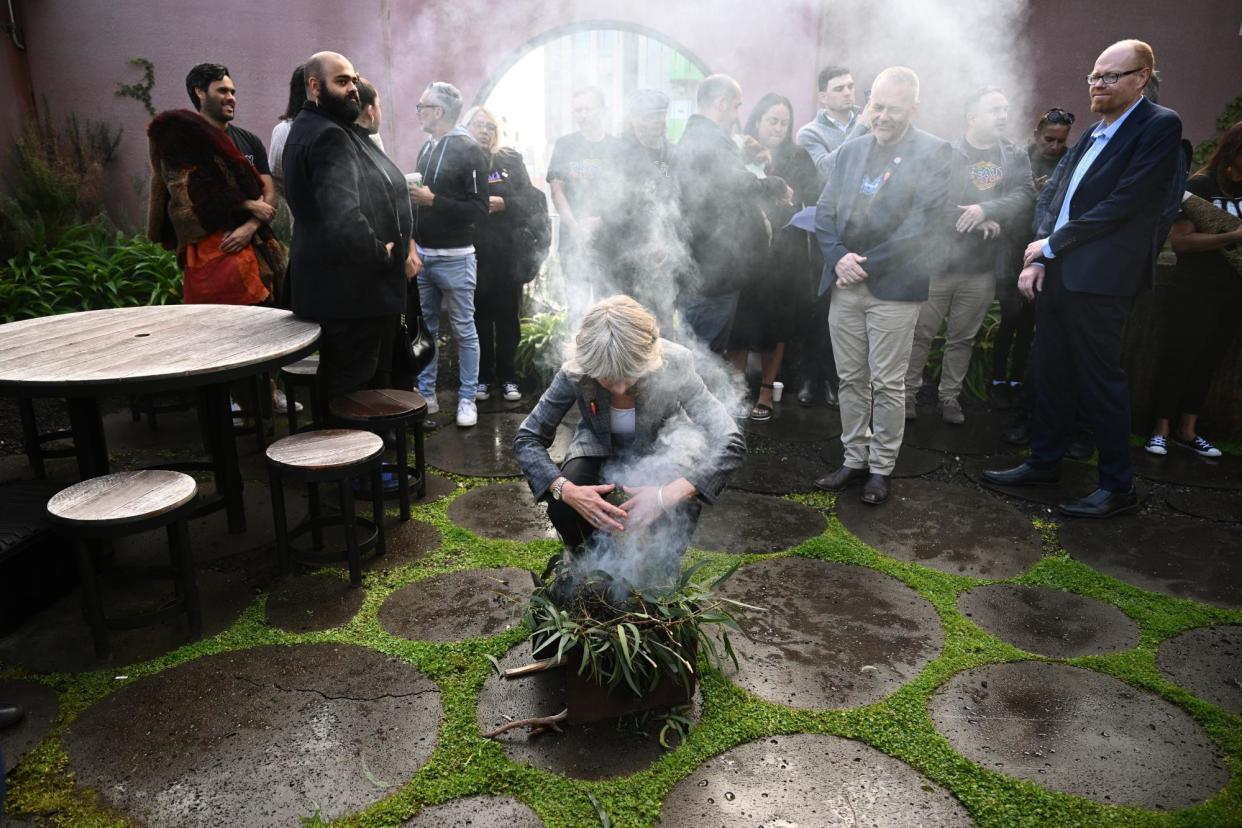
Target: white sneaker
[[512, 392], [280, 403], [467, 413], [433, 405], [482, 392]]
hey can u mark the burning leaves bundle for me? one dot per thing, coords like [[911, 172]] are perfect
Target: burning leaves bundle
[[623, 638]]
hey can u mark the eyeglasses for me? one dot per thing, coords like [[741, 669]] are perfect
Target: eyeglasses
[[1109, 78], [1058, 116], [484, 126], [422, 107]]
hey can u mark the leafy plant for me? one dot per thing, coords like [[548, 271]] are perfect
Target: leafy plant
[[93, 266], [639, 641], [539, 348], [56, 182], [141, 91], [1227, 118]]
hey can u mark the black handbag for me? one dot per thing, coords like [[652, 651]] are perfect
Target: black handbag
[[415, 347]]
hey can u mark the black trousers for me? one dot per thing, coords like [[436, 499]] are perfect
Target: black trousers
[[816, 363], [349, 353], [496, 315], [1015, 333], [1198, 330], [1078, 342]]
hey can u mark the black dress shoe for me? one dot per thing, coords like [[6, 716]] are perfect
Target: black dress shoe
[[1023, 475], [1101, 504], [832, 397], [875, 491], [11, 714], [841, 479], [806, 394]]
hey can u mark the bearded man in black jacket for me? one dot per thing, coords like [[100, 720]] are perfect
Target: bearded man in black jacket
[[352, 250]]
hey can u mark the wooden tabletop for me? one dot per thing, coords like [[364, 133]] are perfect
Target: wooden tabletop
[[166, 345]]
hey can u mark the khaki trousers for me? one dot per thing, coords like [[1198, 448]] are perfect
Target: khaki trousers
[[871, 341], [960, 301]]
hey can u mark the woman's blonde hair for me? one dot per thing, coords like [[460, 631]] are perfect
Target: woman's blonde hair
[[486, 113], [617, 340]]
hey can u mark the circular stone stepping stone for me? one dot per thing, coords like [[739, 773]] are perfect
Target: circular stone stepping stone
[[911, 461], [1220, 506], [1208, 663], [458, 605], [791, 423], [477, 812], [828, 635], [1183, 467], [41, 708], [1049, 622], [486, 450], [258, 737], [951, 528], [502, 511], [58, 640], [777, 473], [594, 750], [1080, 732], [981, 434], [1177, 556], [404, 542], [311, 603], [1077, 480], [741, 523], [438, 488], [809, 780]]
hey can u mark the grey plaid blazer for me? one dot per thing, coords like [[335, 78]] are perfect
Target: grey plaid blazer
[[672, 392]]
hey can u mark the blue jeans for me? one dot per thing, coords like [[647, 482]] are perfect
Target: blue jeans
[[710, 318], [449, 281]]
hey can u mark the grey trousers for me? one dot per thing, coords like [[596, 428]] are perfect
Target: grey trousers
[[960, 301], [871, 341]]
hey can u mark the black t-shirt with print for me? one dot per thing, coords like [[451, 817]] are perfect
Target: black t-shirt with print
[[1209, 272], [581, 166], [251, 148], [979, 178], [860, 234]]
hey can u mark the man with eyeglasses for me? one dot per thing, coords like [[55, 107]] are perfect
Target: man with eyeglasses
[[1095, 248]]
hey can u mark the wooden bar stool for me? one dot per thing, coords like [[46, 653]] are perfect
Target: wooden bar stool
[[126, 503], [303, 374], [383, 410], [332, 455]]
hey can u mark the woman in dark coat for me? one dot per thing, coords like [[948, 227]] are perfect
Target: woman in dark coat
[[776, 299], [504, 257]]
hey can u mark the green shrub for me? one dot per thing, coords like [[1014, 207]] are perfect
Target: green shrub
[[540, 348], [93, 266]]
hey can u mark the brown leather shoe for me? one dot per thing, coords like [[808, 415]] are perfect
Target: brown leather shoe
[[841, 479], [876, 490]]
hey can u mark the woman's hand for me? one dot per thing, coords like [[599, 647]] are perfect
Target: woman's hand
[[588, 501], [643, 507], [495, 204]]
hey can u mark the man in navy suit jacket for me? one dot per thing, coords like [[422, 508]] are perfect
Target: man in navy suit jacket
[[1096, 246], [878, 225]]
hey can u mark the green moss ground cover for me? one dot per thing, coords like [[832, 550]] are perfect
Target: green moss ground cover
[[465, 764]]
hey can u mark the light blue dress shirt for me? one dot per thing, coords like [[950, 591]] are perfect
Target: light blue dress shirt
[[1100, 136]]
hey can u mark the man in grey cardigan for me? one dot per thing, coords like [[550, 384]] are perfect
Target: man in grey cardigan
[[835, 122]]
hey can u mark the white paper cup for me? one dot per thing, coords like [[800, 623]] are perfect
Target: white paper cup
[[778, 388], [414, 178]]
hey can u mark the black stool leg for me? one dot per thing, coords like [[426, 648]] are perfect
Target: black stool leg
[[291, 412], [179, 542], [377, 507], [256, 388], [420, 461], [278, 518], [403, 471], [346, 489], [91, 603], [312, 502], [30, 437]]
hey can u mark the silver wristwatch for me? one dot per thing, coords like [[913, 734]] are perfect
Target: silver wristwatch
[[557, 485]]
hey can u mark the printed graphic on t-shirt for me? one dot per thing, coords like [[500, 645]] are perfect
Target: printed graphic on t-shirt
[[871, 186], [497, 176], [986, 175]]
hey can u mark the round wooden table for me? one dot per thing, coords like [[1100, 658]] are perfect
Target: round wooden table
[[123, 351]]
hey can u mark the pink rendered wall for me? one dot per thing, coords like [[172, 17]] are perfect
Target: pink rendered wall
[[16, 98]]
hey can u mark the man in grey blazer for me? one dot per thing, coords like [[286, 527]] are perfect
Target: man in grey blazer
[[876, 223]]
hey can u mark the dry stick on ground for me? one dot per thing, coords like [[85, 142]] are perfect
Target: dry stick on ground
[[535, 667], [537, 725]]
